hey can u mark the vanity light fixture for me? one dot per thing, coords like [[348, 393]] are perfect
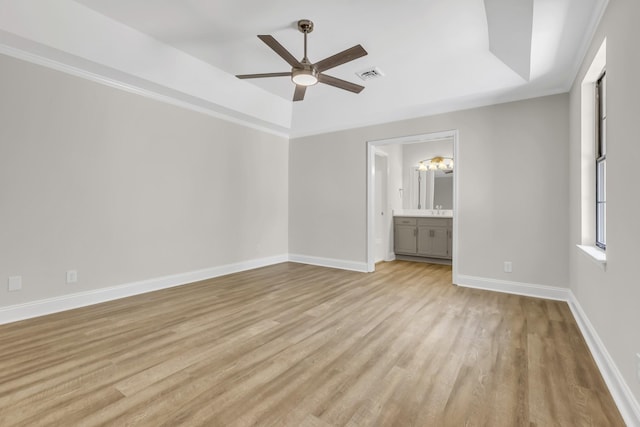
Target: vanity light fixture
[[436, 163]]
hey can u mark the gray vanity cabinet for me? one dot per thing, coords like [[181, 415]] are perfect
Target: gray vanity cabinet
[[433, 237], [405, 236], [423, 236]]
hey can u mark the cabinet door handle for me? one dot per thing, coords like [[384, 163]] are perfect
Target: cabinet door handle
[[415, 231], [432, 233]]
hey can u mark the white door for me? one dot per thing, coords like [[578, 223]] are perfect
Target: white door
[[382, 221]]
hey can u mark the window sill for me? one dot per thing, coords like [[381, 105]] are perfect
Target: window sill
[[596, 254]]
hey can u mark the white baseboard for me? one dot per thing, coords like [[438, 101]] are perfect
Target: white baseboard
[[622, 395], [390, 257], [329, 262], [518, 288], [32, 309]]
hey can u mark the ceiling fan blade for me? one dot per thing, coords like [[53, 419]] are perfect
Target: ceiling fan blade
[[350, 54], [280, 50], [298, 95], [258, 76], [339, 83]]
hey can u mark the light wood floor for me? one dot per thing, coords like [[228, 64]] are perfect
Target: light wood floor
[[297, 345]]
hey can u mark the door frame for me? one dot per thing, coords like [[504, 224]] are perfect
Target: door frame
[[411, 139]]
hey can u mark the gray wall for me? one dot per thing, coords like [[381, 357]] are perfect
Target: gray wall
[[513, 189], [124, 188], [610, 298]]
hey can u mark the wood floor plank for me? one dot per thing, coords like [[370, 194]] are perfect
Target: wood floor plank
[[300, 345]]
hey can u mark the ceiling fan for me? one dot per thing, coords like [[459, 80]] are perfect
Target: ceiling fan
[[304, 73]]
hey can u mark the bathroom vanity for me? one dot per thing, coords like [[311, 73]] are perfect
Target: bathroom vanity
[[425, 233]]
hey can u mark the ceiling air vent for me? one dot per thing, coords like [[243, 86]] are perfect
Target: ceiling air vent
[[370, 73]]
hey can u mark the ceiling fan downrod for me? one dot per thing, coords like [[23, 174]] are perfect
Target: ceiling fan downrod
[[305, 26]]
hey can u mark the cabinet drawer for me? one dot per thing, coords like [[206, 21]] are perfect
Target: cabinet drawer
[[398, 220], [435, 222]]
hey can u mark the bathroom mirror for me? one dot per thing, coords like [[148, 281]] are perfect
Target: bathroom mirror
[[431, 188], [433, 163], [443, 190]]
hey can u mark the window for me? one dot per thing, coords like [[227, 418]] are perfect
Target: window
[[601, 161], [593, 159]]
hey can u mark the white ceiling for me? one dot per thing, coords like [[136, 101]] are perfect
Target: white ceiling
[[436, 54]]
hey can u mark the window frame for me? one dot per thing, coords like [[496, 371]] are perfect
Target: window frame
[[601, 161]]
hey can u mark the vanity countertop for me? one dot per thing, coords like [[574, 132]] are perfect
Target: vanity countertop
[[429, 213]]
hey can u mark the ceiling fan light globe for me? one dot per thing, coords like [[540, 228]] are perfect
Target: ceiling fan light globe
[[304, 77], [304, 80]]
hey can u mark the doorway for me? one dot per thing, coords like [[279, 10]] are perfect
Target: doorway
[[376, 227]]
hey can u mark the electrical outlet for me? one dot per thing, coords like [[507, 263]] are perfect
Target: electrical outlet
[[72, 276], [15, 283], [508, 267], [638, 366]]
